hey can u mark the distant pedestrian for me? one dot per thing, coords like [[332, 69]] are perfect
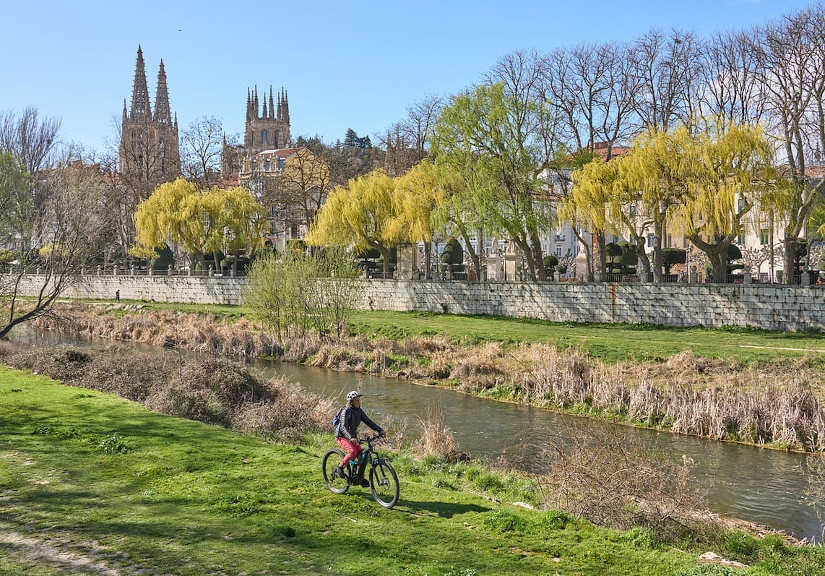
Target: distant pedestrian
[[117, 295]]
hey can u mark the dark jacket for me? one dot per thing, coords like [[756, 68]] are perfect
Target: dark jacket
[[351, 418]]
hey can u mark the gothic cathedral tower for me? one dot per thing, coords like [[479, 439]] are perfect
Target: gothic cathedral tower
[[266, 129], [149, 152]]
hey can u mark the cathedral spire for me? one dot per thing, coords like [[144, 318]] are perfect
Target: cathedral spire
[[286, 107], [271, 105], [265, 113], [125, 115], [255, 102], [248, 104], [162, 112], [141, 109]]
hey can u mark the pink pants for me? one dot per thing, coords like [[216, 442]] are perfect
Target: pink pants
[[351, 449]]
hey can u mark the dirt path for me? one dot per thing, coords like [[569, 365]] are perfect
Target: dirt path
[[32, 550]]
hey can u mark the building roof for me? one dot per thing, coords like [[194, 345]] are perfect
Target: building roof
[[278, 152]]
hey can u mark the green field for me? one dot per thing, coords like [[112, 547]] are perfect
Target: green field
[[609, 342], [125, 488]]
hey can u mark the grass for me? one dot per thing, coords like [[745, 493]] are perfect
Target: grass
[[182, 497], [608, 342]]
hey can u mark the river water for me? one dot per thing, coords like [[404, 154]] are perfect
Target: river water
[[763, 486]]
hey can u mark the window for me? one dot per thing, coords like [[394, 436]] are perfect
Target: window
[[668, 241], [764, 236], [632, 210], [741, 239], [650, 238], [264, 138], [266, 164], [558, 251], [741, 204]]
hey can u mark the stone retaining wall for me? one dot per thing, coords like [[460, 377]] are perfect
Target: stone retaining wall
[[762, 306]]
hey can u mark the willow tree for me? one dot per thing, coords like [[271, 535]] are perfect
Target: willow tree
[[416, 195], [235, 221], [498, 131], [656, 170], [729, 170], [173, 214], [198, 221], [585, 205], [360, 215]]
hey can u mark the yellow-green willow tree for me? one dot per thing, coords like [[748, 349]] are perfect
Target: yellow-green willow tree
[[657, 171], [360, 214], [728, 169], [198, 221]]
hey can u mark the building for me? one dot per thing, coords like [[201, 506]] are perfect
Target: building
[[149, 151], [267, 127]]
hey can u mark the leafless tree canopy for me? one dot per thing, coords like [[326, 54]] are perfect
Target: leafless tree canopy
[[29, 138], [59, 220], [202, 142]]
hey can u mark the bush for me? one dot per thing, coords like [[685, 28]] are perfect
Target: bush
[[211, 390], [550, 261], [671, 256], [295, 292]]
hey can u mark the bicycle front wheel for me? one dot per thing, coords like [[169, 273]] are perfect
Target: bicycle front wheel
[[384, 484], [336, 484]]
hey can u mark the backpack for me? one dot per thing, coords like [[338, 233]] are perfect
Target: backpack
[[336, 421]]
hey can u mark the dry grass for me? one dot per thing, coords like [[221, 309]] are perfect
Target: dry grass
[[602, 478], [779, 404], [436, 437], [213, 390]]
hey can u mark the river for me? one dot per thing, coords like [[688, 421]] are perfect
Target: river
[[758, 485]]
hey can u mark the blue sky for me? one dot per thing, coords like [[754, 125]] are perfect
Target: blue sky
[[345, 64]]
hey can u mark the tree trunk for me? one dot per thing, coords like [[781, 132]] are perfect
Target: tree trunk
[[536, 253], [657, 253], [642, 261], [719, 264], [600, 241], [428, 250], [385, 255], [788, 260]]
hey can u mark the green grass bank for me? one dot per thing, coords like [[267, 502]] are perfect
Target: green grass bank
[[607, 342], [109, 484]]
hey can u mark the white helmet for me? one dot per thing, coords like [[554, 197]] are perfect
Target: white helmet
[[353, 395]]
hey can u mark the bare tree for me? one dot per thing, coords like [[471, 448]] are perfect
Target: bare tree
[[305, 185], [29, 138], [64, 229], [730, 87], [665, 68], [202, 144], [419, 124], [791, 63]]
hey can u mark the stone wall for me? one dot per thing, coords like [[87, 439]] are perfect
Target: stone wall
[[771, 307]]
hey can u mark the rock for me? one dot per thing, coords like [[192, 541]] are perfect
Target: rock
[[524, 505], [714, 558]]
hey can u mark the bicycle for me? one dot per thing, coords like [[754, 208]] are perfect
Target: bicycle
[[383, 481]]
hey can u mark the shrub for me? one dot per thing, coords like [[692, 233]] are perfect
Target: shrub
[[611, 482], [211, 390]]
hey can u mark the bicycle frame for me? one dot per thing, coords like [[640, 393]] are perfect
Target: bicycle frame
[[367, 456]]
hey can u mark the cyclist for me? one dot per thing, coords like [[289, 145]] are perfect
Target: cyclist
[[346, 432]]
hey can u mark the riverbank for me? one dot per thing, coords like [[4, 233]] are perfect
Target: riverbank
[[775, 402], [180, 497]]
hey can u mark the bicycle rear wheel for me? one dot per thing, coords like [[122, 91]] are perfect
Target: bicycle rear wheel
[[384, 484], [336, 484]]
